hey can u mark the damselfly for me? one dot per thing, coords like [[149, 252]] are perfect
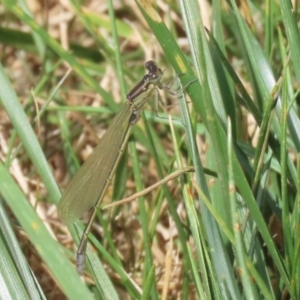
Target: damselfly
[[90, 183]]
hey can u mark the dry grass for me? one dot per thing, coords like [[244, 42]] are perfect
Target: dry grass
[[78, 114]]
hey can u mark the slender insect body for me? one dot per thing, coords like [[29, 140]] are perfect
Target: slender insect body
[[90, 183]]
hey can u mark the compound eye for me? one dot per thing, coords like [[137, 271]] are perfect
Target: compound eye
[[151, 66]]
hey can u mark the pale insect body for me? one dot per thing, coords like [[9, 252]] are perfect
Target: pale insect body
[[90, 183]]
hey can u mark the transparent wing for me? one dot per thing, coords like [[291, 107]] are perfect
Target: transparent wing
[[88, 183]]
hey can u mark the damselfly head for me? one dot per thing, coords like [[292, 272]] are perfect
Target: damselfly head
[[154, 71], [153, 77]]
